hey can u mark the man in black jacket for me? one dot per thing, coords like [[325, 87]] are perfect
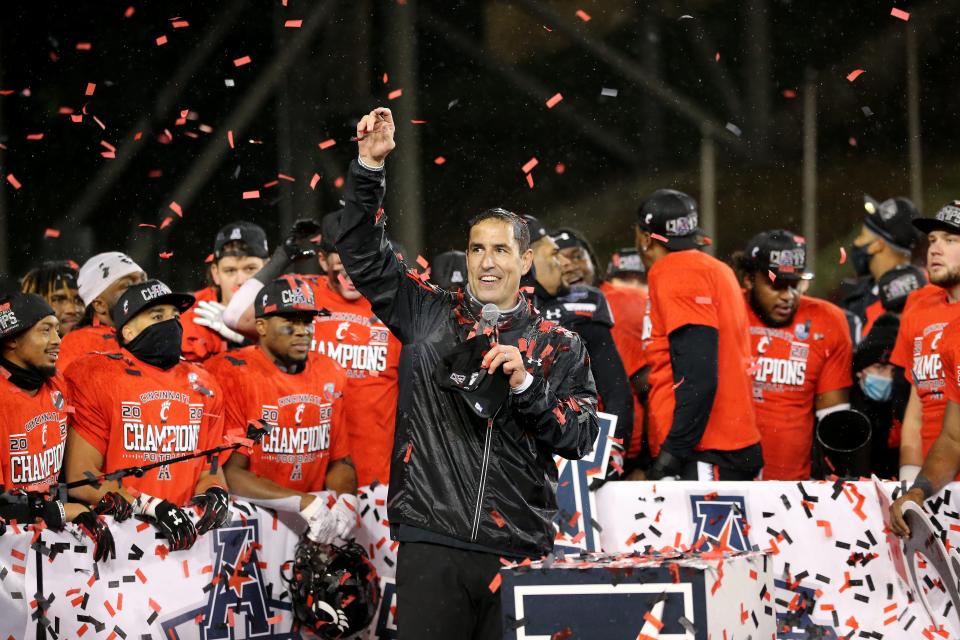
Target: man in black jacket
[[583, 309], [470, 481]]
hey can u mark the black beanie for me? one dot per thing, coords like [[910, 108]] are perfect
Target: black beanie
[[878, 344]]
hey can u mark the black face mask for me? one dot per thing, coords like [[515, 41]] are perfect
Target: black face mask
[[27, 379], [158, 344], [860, 259]]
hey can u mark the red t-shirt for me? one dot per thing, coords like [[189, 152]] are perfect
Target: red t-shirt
[[792, 366], [136, 414], [353, 336], [33, 433], [85, 340], [305, 409], [691, 287], [628, 305], [200, 343], [917, 350]]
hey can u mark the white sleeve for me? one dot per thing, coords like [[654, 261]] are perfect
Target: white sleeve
[[240, 302]]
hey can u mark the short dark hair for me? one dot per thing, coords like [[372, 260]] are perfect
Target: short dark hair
[[521, 231]]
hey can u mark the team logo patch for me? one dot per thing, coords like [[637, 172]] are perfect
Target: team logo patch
[[682, 226], [719, 521], [802, 330]]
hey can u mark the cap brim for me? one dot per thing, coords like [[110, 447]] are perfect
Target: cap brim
[[683, 243], [793, 275], [926, 225], [290, 311]]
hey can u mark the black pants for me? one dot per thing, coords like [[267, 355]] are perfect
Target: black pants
[[444, 594]]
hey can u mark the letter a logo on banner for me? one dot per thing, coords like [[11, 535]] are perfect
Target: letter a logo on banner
[[719, 522]]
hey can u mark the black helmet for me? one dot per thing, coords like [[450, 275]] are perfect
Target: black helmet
[[334, 590]]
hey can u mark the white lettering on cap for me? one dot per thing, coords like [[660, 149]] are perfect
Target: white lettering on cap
[[457, 276], [950, 213], [795, 258], [901, 286], [8, 319], [295, 296], [682, 226], [154, 291], [236, 234]]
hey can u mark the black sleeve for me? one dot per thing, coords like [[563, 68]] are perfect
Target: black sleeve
[[396, 294], [901, 393], [562, 408], [613, 387], [693, 357]]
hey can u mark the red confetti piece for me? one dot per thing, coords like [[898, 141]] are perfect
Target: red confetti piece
[[162, 40], [84, 46], [129, 12], [386, 78], [418, 122], [179, 24], [314, 180], [109, 608], [843, 255], [251, 195], [140, 575], [827, 529], [143, 526], [338, 182], [554, 100], [530, 180], [176, 209], [166, 222], [900, 13], [789, 94], [439, 161], [186, 569], [495, 583], [583, 15], [293, 24], [396, 93], [649, 617], [51, 233], [153, 604], [422, 262], [12, 179], [34, 136], [326, 144], [852, 141], [678, 384], [91, 87], [560, 169], [239, 62], [230, 138], [498, 519], [284, 176], [529, 165], [771, 275], [166, 254], [853, 75], [406, 456]]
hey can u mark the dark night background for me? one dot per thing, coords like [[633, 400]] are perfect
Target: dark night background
[[481, 73]]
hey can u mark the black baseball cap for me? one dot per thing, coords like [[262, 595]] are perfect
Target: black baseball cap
[[672, 217], [566, 239], [147, 294], [947, 219], [251, 234], [779, 251], [20, 311], [892, 220], [329, 228], [896, 284], [537, 230], [287, 295], [448, 270], [459, 370], [625, 262]]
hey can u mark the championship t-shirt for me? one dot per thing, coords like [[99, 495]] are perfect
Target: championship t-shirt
[[305, 409], [200, 343], [628, 305], [84, 340], [349, 333], [34, 433], [691, 287], [136, 414], [917, 350], [792, 366]]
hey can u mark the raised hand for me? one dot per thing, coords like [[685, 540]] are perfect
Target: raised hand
[[375, 136]]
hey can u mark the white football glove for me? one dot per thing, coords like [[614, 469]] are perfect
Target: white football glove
[[346, 511], [320, 519], [210, 315]]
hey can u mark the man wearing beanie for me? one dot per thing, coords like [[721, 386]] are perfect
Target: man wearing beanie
[[142, 405], [102, 280]]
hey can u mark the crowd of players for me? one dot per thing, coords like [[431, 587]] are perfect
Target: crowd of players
[[715, 370]]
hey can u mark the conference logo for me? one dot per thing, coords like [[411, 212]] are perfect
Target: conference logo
[[720, 522]]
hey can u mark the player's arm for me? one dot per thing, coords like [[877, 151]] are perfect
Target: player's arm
[[939, 469], [694, 354], [83, 460], [835, 400], [342, 476], [911, 441], [247, 484]]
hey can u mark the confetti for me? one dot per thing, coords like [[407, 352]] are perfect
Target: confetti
[[843, 255], [293, 24], [34, 136], [396, 93], [790, 94], [228, 82], [610, 93], [12, 179], [162, 40], [84, 46], [338, 182], [179, 24], [129, 12], [853, 75], [560, 169], [583, 15], [418, 122], [176, 209], [716, 57], [734, 129], [314, 180], [251, 195], [529, 165], [439, 161], [553, 101], [326, 144], [51, 233], [166, 254], [495, 583], [386, 78], [530, 180], [900, 13], [230, 139], [771, 275], [239, 62]]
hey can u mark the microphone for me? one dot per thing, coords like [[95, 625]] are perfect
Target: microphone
[[489, 318]]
